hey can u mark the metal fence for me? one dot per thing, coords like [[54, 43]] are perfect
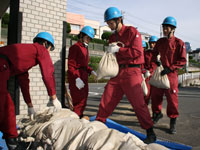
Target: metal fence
[[188, 76], [91, 46]]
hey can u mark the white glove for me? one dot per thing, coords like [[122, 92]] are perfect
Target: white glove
[[79, 83], [94, 73], [56, 103], [113, 48], [31, 113], [147, 74]]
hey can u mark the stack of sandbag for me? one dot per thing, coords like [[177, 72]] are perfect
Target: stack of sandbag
[[63, 130], [112, 139], [84, 134], [51, 130]]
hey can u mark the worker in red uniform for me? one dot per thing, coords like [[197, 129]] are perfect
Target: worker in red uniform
[[129, 79], [16, 60], [149, 67], [173, 56], [78, 70]]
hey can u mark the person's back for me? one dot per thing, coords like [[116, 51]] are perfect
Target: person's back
[[23, 56], [17, 59]]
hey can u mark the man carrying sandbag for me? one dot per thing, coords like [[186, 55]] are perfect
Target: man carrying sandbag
[[78, 70], [16, 60], [129, 79], [172, 57], [148, 66]]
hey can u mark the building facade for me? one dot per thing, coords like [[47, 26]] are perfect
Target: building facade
[[39, 16]]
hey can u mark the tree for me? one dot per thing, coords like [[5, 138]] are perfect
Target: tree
[[5, 20], [68, 28], [105, 36]]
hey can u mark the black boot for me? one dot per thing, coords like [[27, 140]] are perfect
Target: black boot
[[156, 117], [172, 129], [151, 136], [11, 143]]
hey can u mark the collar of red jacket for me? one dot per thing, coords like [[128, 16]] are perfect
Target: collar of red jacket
[[81, 44], [122, 30]]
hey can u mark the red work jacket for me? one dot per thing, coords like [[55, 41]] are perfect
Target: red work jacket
[[132, 52], [148, 65], [78, 58], [172, 52], [22, 58]]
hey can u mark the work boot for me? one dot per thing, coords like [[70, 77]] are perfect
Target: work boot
[[156, 117], [11, 143], [172, 129], [151, 136]]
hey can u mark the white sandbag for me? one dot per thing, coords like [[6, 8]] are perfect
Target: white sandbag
[[84, 134], [159, 81], [132, 142], [52, 129], [62, 131], [154, 146], [106, 139], [45, 118], [108, 66], [144, 86]]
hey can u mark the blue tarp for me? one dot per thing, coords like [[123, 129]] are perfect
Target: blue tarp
[[2, 143], [124, 129]]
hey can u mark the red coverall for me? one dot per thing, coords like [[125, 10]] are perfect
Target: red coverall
[[129, 79], [151, 67], [22, 57], [78, 60], [173, 56]]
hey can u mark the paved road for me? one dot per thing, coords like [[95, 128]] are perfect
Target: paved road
[[188, 124]]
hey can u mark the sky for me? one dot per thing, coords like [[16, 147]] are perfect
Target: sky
[[147, 15]]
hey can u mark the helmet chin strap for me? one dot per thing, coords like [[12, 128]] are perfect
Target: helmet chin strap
[[116, 33], [86, 44], [171, 32]]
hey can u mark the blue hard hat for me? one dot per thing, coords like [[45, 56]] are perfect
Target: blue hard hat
[[46, 36], [144, 44], [153, 38], [169, 21], [111, 13], [88, 31]]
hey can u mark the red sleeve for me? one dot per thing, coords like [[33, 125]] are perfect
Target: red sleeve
[[47, 70], [181, 59], [72, 63], [89, 69], [24, 85]]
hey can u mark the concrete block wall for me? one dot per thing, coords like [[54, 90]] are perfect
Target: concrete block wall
[[38, 16]]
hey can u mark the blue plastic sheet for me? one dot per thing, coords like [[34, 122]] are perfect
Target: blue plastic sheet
[[124, 129]]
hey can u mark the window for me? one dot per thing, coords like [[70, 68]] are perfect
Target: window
[[75, 27]]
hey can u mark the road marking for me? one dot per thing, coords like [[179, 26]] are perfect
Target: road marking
[[95, 93]]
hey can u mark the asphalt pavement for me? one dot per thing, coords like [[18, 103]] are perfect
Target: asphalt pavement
[[188, 123]]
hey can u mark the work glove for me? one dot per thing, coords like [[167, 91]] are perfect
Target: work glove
[[113, 48], [79, 83], [55, 103], [165, 71], [31, 113], [158, 63], [94, 73], [147, 74]]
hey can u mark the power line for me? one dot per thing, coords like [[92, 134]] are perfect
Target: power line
[[129, 17]]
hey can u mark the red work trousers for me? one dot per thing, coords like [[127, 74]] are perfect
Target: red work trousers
[[79, 97], [171, 95], [7, 108], [127, 82]]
